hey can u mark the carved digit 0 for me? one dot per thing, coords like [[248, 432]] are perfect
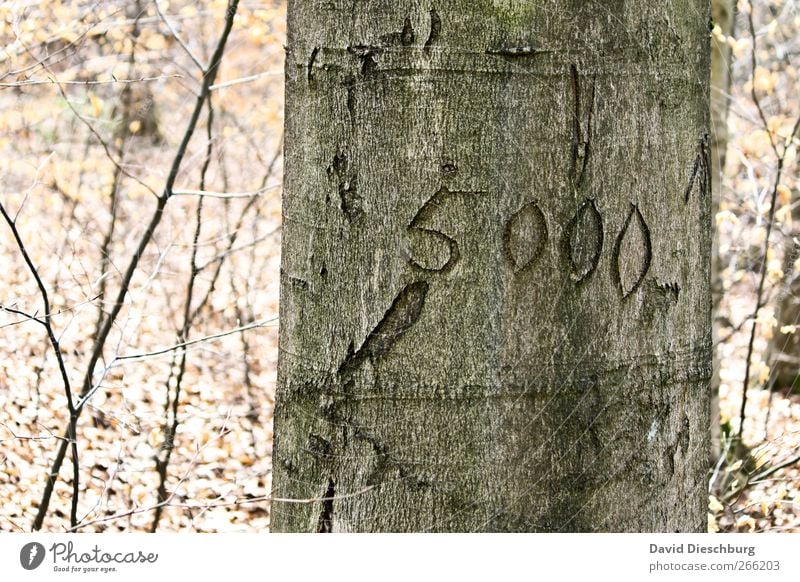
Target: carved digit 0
[[525, 237], [583, 241], [632, 253]]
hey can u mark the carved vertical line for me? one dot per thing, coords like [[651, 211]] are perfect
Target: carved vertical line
[[311, 60], [577, 138], [587, 142]]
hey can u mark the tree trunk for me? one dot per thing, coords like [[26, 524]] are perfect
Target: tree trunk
[[784, 347], [495, 303], [723, 14], [783, 355]]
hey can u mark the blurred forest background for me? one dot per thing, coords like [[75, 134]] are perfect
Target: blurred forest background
[[140, 196]]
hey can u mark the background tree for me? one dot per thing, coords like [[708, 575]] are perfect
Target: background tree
[[723, 15], [783, 354], [495, 274]]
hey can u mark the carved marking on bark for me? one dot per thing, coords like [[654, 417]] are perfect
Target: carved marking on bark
[[404, 37], [632, 253], [659, 298], [339, 164], [670, 291], [349, 85], [366, 53], [681, 444], [583, 241], [701, 170], [383, 459], [407, 36], [431, 250], [436, 28], [299, 283], [692, 178], [581, 144], [350, 199], [683, 436], [525, 237], [404, 312], [416, 229], [448, 169], [525, 50], [576, 122], [312, 58], [319, 446], [368, 65], [325, 524]]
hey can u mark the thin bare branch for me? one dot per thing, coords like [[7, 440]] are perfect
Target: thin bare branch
[[178, 38], [51, 336], [113, 81], [226, 195], [186, 344], [248, 79], [158, 214]]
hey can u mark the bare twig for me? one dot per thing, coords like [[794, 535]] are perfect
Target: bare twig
[[202, 340], [247, 79], [114, 81], [781, 156], [105, 248], [40, 319], [51, 336], [226, 195], [147, 237], [171, 429], [177, 37], [753, 68], [238, 502], [105, 146]]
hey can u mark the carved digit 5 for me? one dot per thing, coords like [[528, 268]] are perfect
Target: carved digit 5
[[432, 250]]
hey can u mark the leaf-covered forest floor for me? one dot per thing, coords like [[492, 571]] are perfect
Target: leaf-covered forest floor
[[94, 102], [60, 179]]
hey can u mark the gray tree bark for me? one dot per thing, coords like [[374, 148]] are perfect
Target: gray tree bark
[[783, 353], [784, 347], [723, 14], [495, 303]]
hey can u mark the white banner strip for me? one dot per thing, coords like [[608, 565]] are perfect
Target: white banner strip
[[329, 558]]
